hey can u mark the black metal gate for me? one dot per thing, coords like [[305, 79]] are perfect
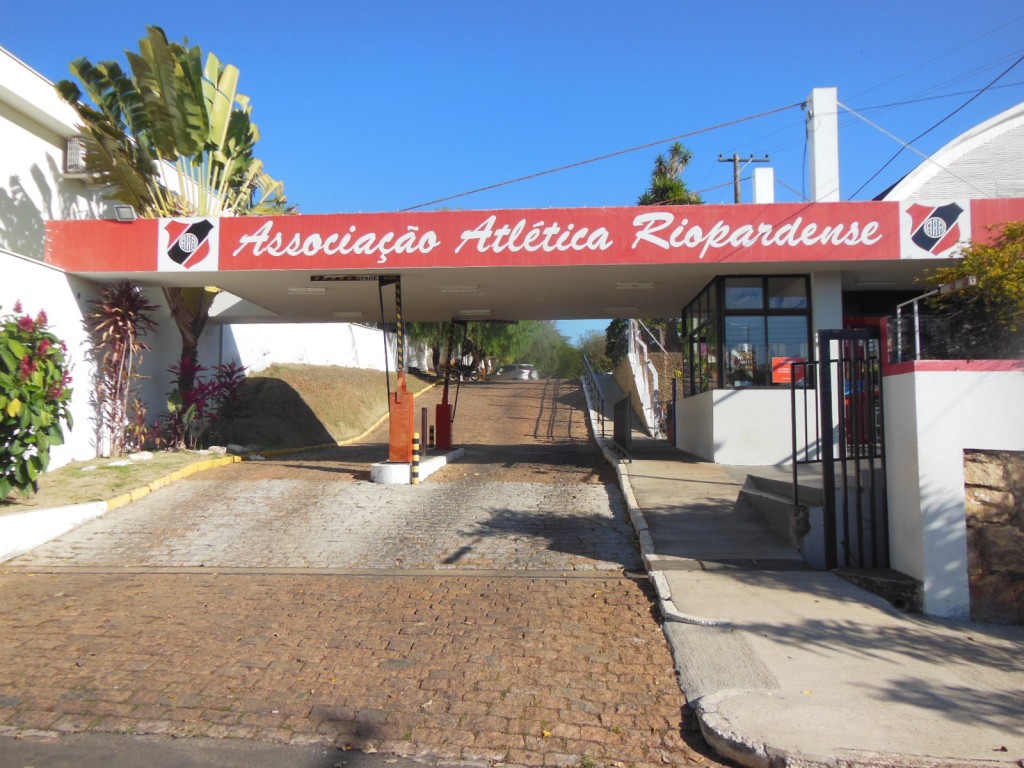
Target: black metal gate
[[842, 426]]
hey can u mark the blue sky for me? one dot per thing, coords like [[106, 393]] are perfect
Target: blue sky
[[388, 105]]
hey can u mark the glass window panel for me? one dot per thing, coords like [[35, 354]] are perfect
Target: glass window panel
[[787, 293], [711, 356], [746, 362], [788, 340], [744, 293]]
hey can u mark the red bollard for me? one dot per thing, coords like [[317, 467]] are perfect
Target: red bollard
[[443, 426]]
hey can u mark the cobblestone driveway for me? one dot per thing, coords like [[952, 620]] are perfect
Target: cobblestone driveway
[[488, 614]]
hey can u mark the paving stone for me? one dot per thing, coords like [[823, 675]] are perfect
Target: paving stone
[[440, 626]]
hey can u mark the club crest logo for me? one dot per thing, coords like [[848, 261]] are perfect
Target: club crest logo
[[189, 245], [935, 230]]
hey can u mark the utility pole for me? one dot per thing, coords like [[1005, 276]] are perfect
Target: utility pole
[[735, 160]]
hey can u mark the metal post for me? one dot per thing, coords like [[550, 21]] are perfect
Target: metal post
[[399, 323], [828, 469], [737, 192], [415, 468], [899, 333], [917, 332]]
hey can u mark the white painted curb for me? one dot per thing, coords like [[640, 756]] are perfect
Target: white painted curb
[[399, 473], [24, 531]]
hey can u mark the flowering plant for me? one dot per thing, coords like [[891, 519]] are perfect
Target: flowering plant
[[34, 399]]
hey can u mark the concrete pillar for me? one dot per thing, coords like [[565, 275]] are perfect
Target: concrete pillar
[[823, 137], [827, 300], [764, 185]]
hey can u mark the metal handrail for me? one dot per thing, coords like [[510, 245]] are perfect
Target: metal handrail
[[594, 391], [650, 394]]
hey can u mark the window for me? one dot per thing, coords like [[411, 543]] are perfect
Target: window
[[787, 293], [740, 328], [744, 293], [746, 350]]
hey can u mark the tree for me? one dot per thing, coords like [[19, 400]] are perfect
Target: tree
[[173, 138], [988, 315], [667, 185], [615, 340], [433, 335], [667, 188], [593, 347]]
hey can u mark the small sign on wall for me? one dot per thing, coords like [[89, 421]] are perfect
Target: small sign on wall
[[784, 372]]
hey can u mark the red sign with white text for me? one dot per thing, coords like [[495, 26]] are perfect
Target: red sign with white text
[[785, 372], [780, 232]]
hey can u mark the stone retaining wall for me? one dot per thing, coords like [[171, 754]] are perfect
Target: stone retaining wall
[[995, 534]]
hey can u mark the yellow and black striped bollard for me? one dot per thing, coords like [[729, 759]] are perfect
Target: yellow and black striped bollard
[[415, 471]]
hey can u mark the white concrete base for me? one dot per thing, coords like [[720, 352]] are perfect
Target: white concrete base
[[24, 531], [398, 473]]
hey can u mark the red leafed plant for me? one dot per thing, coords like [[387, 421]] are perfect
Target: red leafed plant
[[119, 319], [191, 411]]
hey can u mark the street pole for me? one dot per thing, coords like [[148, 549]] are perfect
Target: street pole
[[735, 160]]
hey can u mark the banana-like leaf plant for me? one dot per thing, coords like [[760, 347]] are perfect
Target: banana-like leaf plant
[[173, 137]]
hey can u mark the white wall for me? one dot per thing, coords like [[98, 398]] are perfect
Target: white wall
[[65, 300], [743, 427], [753, 427], [930, 418], [34, 126], [41, 287], [695, 425], [256, 346]]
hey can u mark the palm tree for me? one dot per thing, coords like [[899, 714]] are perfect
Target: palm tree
[[667, 185], [173, 138]]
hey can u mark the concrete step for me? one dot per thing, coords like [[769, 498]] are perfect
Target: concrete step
[[789, 521], [780, 483]]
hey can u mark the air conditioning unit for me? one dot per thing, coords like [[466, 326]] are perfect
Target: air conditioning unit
[[74, 158]]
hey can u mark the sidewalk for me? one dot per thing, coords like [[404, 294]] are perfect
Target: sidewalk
[[791, 667]]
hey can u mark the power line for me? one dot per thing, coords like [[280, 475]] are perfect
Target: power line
[[972, 41], [604, 157], [795, 191], [904, 145], [998, 77], [906, 102]]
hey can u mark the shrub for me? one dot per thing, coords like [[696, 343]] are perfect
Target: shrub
[[118, 320], [34, 399], [988, 314], [192, 411]]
